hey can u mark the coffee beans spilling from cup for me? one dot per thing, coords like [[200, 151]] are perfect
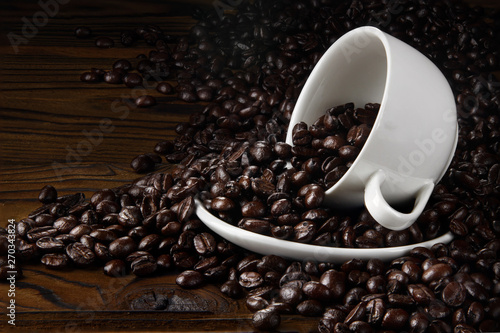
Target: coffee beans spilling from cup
[[249, 72]]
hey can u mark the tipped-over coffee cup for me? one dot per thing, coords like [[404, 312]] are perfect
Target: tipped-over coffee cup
[[414, 136]]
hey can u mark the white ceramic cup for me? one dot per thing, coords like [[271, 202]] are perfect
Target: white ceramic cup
[[414, 136]]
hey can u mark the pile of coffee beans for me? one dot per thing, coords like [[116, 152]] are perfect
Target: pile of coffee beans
[[248, 67]]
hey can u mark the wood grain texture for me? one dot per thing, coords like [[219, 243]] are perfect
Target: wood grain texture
[[46, 115], [51, 132]]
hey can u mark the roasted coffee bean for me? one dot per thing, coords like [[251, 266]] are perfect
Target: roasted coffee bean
[[149, 243], [335, 281], [130, 216], [304, 231], [421, 294], [143, 163], [113, 76], [222, 204], [164, 262], [291, 294], [437, 309], [132, 80], [55, 260], [80, 254], [255, 225], [186, 209], [253, 209], [251, 280], [454, 294], [256, 303], [317, 291], [90, 77], [164, 88], [115, 268], [50, 244], [376, 284], [143, 265], [205, 244], [122, 64], [83, 32], [309, 307], [232, 289], [122, 247], [145, 101], [395, 319], [184, 260], [266, 319], [206, 263], [23, 226], [102, 252], [65, 224], [357, 313], [419, 322], [313, 197], [104, 42], [435, 272], [47, 194], [36, 233]]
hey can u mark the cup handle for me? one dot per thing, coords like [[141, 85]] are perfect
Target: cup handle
[[383, 213]]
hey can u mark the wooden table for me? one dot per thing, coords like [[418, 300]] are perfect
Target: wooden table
[[46, 115]]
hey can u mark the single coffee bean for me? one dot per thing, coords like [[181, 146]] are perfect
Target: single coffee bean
[[83, 32], [132, 80], [317, 291], [454, 294], [143, 163], [309, 308], [65, 224], [104, 42], [256, 303], [222, 204], [232, 289], [190, 279], [145, 101], [395, 319], [50, 244], [115, 268], [80, 254], [143, 265], [164, 88], [47, 194], [205, 244], [36, 233], [266, 319], [122, 64], [250, 280], [122, 247], [55, 260], [437, 271]]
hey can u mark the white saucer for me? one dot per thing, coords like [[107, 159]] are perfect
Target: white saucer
[[297, 251]]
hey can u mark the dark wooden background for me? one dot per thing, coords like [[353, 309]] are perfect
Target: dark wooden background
[[44, 112]]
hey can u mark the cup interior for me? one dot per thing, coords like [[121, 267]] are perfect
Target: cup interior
[[354, 69]]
